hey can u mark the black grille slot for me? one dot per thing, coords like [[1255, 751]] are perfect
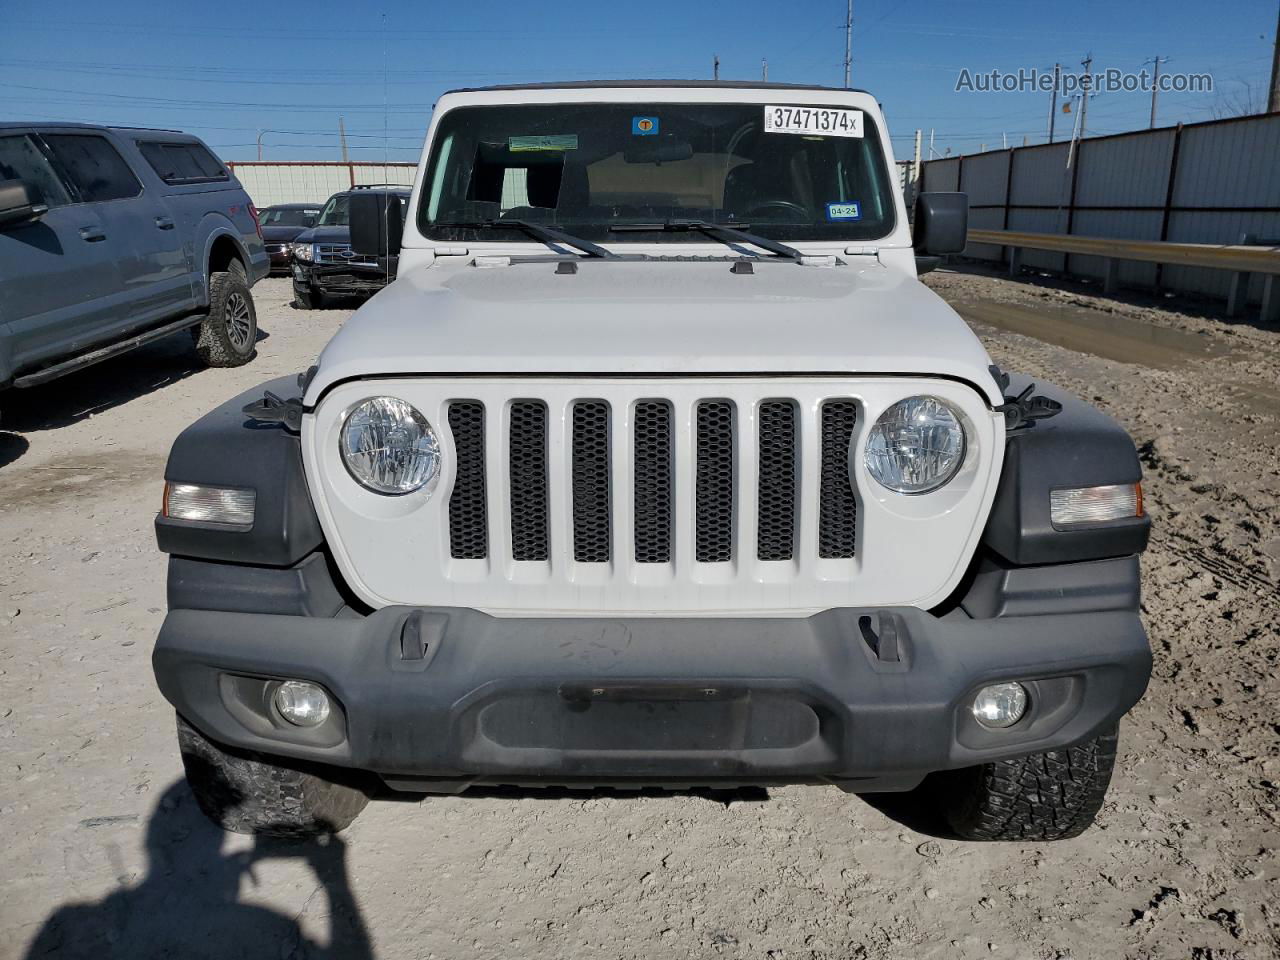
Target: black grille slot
[[776, 533], [713, 488], [838, 510], [653, 481], [530, 539], [468, 519], [591, 481]]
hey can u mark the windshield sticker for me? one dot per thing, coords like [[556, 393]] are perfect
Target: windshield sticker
[[568, 141], [844, 211], [644, 126], [813, 120]]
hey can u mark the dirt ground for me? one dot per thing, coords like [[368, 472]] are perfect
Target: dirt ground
[[103, 843]]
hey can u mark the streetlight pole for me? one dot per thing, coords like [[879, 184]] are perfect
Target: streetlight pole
[[1053, 98], [1155, 87]]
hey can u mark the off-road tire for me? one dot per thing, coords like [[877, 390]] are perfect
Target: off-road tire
[[308, 299], [247, 795], [1046, 796], [228, 335]]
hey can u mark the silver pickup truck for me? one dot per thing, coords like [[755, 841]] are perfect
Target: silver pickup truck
[[113, 237]]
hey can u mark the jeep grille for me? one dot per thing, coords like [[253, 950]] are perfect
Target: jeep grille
[[716, 479], [651, 495]]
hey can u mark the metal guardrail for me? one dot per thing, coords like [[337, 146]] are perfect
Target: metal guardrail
[[1242, 259]]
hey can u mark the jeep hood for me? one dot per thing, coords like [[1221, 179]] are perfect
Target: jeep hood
[[660, 318]]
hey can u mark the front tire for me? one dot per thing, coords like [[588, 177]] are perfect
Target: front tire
[[1047, 796], [246, 795], [228, 335]]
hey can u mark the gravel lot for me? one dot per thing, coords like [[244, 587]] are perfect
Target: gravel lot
[[107, 856]]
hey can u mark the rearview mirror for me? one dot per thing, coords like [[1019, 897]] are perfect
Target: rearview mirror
[[376, 225], [661, 151], [941, 223], [20, 203]]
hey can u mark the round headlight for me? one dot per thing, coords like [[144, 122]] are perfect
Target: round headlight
[[389, 447], [916, 446]]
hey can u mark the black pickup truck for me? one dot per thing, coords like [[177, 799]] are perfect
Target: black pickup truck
[[324, 264]]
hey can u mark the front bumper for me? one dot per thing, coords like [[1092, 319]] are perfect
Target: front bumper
[[333, 278], [440, 699]]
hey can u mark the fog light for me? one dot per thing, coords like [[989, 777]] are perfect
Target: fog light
[[302, 704], [1000, 705]]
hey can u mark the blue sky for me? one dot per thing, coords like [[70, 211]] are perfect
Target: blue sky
[[229, 70]]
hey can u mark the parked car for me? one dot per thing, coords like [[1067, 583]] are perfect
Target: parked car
[[281, 225], [323, 262], [112, 237], [657, 466]]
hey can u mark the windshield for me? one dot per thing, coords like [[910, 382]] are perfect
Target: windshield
[[787, 173], [336, 212], [288, 217]]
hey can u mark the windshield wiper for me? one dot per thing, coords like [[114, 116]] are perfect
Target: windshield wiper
[[718, 231], [548, 235]]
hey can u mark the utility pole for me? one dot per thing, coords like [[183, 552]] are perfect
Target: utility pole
[[1155, 87], [715, 67], [1053, 98], [342, 136], [764, 70], [1087, 63], [1273, 99], [931, 150], [848, 45], [915, 167]]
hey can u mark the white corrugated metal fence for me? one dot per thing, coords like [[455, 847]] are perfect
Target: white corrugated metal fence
[[272, 182], [1202, 183]]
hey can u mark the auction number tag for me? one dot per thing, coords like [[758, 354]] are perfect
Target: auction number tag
[[819, 121]]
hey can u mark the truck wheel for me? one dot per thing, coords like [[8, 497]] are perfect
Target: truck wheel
[[1046, 796], [308, 299], [229, 333], [246, 795]]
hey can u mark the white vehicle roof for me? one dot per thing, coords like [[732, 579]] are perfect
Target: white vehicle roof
[[657, 91]]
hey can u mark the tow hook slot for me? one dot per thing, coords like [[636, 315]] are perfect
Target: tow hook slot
[[880, 633], [413, 642]]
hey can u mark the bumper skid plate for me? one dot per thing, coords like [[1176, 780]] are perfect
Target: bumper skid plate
[[454, 696]]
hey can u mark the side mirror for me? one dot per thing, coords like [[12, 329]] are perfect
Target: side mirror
[[376, 224], [941, 223], [308, 221], [20, 203]]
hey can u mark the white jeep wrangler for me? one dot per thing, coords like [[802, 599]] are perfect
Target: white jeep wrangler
[[656, 466]]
